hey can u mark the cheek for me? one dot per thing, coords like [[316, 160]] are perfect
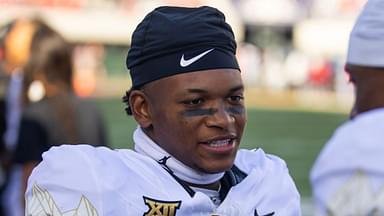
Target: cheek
[[179, 127], [189, 119], [241, 121], [184, 137], [188, 128]]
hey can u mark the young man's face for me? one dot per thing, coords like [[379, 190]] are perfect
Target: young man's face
[[198, 117]]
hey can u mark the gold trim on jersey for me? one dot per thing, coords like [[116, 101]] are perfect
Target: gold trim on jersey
[[42, 203]]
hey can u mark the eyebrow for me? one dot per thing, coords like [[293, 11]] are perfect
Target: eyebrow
[[236, 88]]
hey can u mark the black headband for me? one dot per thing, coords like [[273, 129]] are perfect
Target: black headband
[[174, 40]]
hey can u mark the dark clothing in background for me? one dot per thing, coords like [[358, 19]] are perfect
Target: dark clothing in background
[[62, 119], [5, 155]]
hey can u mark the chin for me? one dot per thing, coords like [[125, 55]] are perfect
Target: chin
[[217, 167]]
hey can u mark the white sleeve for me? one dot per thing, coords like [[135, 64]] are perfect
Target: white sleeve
[[65, 181]]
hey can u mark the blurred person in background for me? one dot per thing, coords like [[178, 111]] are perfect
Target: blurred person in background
[[3, 159], [188, 101], [4, 155], [348, 175], [3, 150], [55, 115], [15, 44]]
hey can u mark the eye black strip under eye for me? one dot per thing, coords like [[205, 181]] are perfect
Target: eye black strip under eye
[[235, 110], [203, 112], [199, 112]]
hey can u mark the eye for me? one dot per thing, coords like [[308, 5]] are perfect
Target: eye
[[193, 102], [236, 98]]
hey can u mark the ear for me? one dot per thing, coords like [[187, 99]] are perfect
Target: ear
[[139, 104]]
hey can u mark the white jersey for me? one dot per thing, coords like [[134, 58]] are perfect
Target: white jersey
[[84, 180], [348, 176]]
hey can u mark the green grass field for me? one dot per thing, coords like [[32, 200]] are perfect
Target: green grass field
[[296, 136]]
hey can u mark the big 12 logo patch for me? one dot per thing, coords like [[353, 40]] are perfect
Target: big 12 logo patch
[[161, 208]]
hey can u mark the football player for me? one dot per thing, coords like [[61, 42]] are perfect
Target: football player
[[347, 177], [187, 97]]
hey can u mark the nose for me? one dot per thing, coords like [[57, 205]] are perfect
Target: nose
[[220, 118]]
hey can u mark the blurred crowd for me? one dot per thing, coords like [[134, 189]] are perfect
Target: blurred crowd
[[282, 51], [39, 107]]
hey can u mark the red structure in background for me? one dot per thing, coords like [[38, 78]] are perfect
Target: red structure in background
[[320, 74]]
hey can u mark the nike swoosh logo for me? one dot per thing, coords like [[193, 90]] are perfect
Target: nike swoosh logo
[[186, 63]]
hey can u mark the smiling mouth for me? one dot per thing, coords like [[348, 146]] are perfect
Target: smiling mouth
[[220, 145]]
